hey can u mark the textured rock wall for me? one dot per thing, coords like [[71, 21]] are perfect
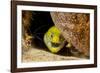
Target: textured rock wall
[[75, 28]]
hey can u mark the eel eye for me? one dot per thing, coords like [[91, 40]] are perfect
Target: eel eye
[[51, 35]]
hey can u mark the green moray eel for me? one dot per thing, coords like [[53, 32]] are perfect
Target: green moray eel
[[54, 40]]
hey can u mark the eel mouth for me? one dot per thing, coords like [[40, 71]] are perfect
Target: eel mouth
[[55, 44]]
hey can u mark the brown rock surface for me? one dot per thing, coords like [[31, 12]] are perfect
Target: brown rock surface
[[75, 28], [39, 55]]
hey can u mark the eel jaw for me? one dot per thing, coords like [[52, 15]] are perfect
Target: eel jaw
[[55, 47], [55, 44]]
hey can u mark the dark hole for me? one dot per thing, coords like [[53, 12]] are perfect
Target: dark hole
[[40, 23]]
